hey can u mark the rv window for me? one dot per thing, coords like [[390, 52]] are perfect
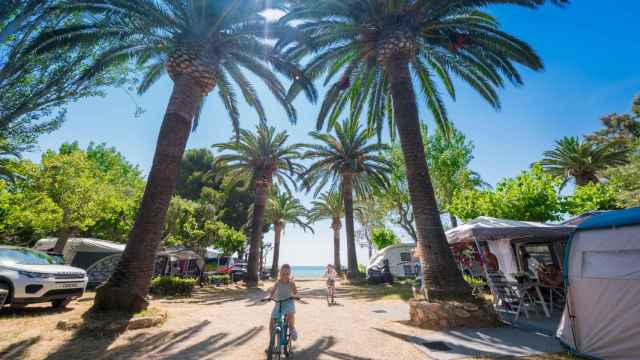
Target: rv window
[[407, 270], [405, 257], [533, 255]]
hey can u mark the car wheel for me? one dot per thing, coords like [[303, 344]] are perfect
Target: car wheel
[[7, 298], [60, 303]]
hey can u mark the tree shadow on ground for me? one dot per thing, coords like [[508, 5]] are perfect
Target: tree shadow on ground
[[323, 346], [166, 344], [32, 311], [18, 350], [219, 296]]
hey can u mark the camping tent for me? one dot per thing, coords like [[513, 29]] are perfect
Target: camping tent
[[602, 276], [502, 236], [179, 262]]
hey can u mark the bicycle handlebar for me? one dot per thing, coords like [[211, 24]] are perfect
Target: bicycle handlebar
[[283, 300]]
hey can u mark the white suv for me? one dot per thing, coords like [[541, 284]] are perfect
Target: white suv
[[29, 276]]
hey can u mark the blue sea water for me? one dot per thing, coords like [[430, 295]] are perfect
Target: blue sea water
[[307, 272]]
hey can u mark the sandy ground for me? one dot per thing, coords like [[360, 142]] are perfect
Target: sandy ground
[[224, 324]]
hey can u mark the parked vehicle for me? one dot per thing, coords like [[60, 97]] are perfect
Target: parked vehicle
[[31, 276], [238, 271], [401, 262]]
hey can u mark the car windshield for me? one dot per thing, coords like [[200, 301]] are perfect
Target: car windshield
[[25, 257]]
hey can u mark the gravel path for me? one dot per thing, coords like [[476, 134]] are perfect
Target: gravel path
[[232, 324]]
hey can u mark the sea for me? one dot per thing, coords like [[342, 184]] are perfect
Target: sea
[[307, 272]]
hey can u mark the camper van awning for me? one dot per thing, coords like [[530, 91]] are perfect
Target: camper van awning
[[487, 228]]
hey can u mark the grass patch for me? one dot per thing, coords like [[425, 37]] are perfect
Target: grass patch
[[148, 312], [397, 291]]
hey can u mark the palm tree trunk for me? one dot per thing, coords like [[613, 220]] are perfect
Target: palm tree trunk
[[347, 193], [336, 226], [277, 228], [128, 286], [257, 225], [442, 277]]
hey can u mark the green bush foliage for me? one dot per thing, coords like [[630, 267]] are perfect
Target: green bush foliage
[[223, 279], [172, 286]]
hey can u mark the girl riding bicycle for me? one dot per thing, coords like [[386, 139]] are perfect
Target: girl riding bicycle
[[285, 288], [331, 275]]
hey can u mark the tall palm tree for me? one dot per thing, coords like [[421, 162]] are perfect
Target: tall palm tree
[[347, 159], [202, 45], [282, 209], [380, 50], [257, 159], [330, 206], [582, 160]]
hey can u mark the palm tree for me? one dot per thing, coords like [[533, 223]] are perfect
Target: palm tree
[[202, 45], [256, 159], [378, 49], [349, 160], [330, 206], [582, 160], [282, 209]]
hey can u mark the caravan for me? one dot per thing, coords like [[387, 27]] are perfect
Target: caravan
[[401, 261]]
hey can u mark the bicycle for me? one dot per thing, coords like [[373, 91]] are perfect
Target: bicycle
[[280, 341], [331, 292]]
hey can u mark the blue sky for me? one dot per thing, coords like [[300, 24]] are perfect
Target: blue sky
[[590, 51]]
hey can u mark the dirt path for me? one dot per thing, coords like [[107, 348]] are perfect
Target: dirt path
[[232, 324]]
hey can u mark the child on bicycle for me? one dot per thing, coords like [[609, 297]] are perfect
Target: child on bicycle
[[331, 275], [285, 288]]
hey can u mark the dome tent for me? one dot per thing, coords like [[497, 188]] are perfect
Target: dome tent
[[602, 278]]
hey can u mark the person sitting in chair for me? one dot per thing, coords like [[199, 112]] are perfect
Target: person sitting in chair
[[491, 261]]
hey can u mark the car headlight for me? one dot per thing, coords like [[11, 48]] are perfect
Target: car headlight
[[35, 275]]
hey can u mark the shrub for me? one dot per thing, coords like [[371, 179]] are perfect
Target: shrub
[[223, 279], [172, 286], [472, 280]]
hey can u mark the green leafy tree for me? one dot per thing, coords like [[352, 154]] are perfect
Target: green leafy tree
[[530, 196], [257, 159], [621, 129], [282, 209], [202, 45], [26, 214], [122, 191], [381, 238], [70, 181], [37, 89], [197, 174], [330, 206], [625, 180], [195, 224], [350, 161], [448, 157], [582, 161], [196, 168], [591, 197], [380, 51]]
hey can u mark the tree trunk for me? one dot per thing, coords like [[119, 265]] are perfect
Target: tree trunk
[[277, 228], [454, 221], [257, 225], [442, 277], [63, 236], [347, 193], [128, 286], [336, 226]]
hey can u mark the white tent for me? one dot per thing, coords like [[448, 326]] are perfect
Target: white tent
[[500, 234], [602, 275]]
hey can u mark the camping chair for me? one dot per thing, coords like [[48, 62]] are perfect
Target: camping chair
[[509, 298]]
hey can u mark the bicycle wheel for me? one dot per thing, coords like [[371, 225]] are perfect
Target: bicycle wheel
[[274, 345]]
